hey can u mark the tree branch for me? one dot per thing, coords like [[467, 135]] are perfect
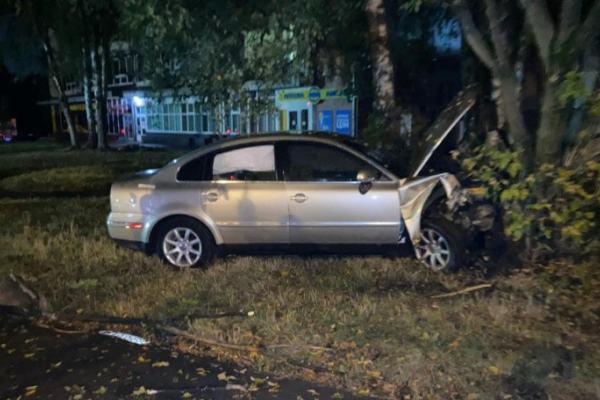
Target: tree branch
[[463, 291], [499, 41], [570, 16], [541, 23], [588, 29], [472, 34]]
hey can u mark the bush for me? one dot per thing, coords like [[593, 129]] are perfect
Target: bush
[[553, 210]]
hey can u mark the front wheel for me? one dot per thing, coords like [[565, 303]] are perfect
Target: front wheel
[[184, 243], [442, 245]]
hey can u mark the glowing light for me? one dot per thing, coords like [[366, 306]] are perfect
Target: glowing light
[[138, 101], [134, 225]]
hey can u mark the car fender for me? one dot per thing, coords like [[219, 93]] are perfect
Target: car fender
[[414, 195], [185, 210]]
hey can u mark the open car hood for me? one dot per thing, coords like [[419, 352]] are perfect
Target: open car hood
[[445, 122]]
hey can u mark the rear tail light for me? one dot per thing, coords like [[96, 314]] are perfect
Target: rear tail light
[[134, 225]]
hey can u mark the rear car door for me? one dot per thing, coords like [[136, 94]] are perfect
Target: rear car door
[[325, 203], [243, 196]]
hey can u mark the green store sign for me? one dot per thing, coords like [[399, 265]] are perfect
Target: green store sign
[[313, 94]]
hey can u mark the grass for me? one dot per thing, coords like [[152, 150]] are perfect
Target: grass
[[43, 168], [535, 332]]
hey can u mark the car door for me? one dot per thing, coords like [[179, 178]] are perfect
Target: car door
[[325, 202], [244, 196]]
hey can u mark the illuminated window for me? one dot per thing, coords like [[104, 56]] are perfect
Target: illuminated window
[[232, 120]]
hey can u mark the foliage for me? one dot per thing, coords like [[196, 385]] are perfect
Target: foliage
[[571, 88], [212, 48], [556, 209], [20, 51]]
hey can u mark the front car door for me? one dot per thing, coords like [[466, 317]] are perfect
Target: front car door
[[325, 203], [244, 196]]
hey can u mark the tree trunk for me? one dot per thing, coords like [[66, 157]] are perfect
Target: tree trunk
[[508, 101], [96, 63], [383, 69], [92, 140], [64, 108], [89, 108], [103, 88], [549, 138], [64, 102]]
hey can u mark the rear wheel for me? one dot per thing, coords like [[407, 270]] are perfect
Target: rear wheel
[[442, 245], [184, 243]]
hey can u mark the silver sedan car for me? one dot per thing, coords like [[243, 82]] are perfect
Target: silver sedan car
[[286, 191]]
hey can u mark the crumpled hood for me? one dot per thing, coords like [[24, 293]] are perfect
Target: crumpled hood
[[443, 125]]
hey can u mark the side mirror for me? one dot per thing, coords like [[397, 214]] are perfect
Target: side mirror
[[367, 175]]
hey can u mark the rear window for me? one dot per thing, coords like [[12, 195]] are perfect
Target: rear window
[[254, 163]]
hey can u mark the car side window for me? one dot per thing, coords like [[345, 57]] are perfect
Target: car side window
[[253, 163], [312, 162], [194, 170]]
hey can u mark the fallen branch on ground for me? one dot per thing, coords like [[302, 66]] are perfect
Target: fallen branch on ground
[[301, 346], [463, 291], [58, 330], [133, 320], [209, 342]]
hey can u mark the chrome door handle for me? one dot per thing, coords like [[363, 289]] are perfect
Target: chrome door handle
[[299, 198], [212, 196]]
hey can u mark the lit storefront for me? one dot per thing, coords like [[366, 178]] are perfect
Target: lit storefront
[[312, 108]]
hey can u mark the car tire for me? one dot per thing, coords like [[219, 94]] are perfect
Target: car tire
[[185, 243], [442, 246]]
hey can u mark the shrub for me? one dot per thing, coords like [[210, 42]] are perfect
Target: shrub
[[554, 210]]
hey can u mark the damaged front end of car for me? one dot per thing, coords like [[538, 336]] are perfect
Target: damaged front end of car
[[471, 223]]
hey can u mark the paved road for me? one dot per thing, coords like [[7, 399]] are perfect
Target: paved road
[[37, 363]]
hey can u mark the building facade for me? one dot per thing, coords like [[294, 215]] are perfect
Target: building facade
[[139, 114]]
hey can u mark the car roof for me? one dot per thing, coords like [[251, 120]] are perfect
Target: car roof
[[313, 136], [286, 135]]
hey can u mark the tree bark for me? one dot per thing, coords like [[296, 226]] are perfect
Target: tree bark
[[63, 101], [511, 105], [549, 138], [541, 23], [383, 69], [472, 35], [92, 140], [96, 63], [103, 89], [505, 73]]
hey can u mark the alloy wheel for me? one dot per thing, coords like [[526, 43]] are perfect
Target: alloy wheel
[[433, 249], [182, 247]]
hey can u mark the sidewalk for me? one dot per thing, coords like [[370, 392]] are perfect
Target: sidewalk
[[36, 363]]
